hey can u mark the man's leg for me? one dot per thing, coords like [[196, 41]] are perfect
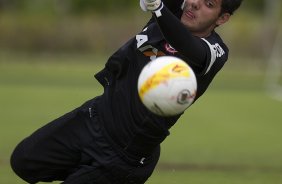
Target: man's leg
[[117, 171], [88, 174], [52, 152], [73, 149]]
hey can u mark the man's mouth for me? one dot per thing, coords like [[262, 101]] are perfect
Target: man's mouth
[[190, 14]]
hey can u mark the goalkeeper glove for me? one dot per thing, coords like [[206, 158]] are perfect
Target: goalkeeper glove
[[151, 5]]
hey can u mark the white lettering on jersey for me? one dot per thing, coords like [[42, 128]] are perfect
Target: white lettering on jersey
[[216, 52], [147, 50], [219, 51], [153, 49], [141, 39]]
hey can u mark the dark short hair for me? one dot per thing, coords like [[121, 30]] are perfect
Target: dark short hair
[[229, 6]]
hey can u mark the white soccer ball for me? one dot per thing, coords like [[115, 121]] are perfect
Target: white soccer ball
[[167, 86]]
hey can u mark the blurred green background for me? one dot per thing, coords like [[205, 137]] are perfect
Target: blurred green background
[[50, 50]]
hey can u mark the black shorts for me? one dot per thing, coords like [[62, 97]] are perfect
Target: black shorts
[[73, 149]]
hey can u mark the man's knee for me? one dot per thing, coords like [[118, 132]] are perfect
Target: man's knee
[[19, 164]]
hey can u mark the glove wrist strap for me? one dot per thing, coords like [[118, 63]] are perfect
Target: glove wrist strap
[[158, 12]]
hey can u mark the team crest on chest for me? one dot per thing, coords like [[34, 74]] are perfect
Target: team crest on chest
[[170, 49]]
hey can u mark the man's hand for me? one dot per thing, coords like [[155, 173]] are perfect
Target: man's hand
[[151, 5]]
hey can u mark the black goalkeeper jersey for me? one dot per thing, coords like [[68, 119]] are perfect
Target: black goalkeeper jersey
[[126, 121]]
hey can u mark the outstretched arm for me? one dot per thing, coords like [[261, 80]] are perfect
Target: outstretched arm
[[180, 38], [174, 5]]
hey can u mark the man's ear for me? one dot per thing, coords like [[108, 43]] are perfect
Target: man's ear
[[222, 19]]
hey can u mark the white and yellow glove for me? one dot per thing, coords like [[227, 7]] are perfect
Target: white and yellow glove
[[150, 5]]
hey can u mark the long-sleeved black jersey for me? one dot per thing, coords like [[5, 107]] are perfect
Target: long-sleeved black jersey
[[127, 123]]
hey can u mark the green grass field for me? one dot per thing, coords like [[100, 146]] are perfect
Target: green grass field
[[232, 135]]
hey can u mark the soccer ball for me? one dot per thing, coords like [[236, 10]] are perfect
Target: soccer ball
[[167, 86]]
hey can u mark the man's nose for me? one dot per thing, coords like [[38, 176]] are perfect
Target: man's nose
[[195, 4]]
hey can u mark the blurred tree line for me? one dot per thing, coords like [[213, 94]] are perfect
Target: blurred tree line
[[72, 6], [101, 26], [82, 6]]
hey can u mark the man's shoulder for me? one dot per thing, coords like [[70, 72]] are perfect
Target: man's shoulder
[[217, 46], [215, 38]]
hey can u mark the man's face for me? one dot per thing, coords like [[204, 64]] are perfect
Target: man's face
[[201, 16]]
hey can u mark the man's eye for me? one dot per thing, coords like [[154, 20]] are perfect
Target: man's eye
[[209, 3]]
